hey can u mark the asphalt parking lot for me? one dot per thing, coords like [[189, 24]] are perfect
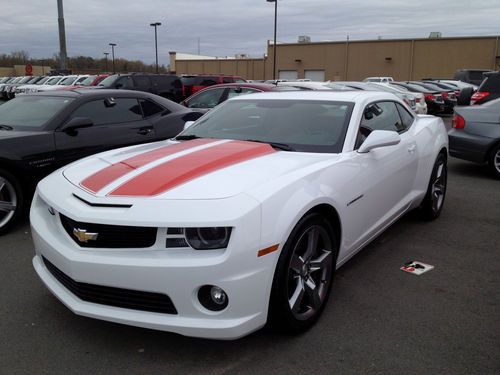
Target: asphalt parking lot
[[379, 319]]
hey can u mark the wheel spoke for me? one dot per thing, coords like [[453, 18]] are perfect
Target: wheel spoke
[[313, 293], [321, 262], [296, 299], [439, 172], [297, 263], [312, 243], [2, 184], [7, 206]]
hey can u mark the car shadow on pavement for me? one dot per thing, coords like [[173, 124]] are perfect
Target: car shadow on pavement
[[470, 169]]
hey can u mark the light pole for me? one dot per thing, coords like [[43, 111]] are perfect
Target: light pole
[[155, 25], [275, 29], [113, 45], [106, 57]]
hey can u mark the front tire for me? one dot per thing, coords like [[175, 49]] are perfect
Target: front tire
[[432, 205], [11, 200], [494, 161], [304, 275]]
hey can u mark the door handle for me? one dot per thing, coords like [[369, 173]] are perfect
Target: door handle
[[412, 148], [144, 131]]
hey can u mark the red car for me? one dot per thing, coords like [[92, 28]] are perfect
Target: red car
[[194, 83], [92, 80], [209, 97]]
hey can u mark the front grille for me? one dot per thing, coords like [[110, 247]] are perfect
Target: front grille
[[110, 236], [105, 295]]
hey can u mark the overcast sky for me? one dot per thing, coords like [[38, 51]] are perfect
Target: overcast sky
[[228, 27]]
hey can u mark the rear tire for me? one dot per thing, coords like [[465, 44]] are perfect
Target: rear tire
[[494, 161], [433, 202], [11, 200], [304, 275]]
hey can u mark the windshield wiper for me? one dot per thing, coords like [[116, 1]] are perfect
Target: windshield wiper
[[280, 146], [6, 127], [186, 137]]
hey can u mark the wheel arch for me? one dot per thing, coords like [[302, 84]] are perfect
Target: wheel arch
[[487, 155]]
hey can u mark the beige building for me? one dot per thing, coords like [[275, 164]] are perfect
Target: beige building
[[20, 70], [402, 59]]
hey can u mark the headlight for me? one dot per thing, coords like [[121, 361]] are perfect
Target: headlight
[[208, 238]]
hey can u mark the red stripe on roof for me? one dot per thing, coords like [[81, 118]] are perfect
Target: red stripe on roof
[[105, 176], [188, 167]]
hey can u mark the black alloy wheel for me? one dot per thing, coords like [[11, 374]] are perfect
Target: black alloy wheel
[[432, 205], [304, 275]]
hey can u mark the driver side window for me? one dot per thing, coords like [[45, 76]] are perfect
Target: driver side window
[[379, 116]]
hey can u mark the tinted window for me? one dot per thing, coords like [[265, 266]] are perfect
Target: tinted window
[[123, 83], [206, 99], [240, 91], [227, 80], [142, 81], [312, 126], [125, 110], [31, 111], [149, 108], [406, 117], [382, 116], [239, 80]]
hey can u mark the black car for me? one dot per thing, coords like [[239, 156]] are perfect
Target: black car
[[433, 98], [475, 134], [449, 97], [489, 89], [42, 132], [167, 85]]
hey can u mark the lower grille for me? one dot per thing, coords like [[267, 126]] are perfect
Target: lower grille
[[110, 236], [105, 295]]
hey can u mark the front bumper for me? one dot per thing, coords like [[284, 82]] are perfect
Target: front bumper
[[177, 273]]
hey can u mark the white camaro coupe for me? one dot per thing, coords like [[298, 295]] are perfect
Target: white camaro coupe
[[240, 220]]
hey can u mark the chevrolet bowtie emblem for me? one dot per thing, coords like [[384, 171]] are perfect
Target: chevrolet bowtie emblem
[[83, 236]]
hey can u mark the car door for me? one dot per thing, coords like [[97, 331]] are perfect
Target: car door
[[381, 190], [116, 122], [206, 100], [166, 123]]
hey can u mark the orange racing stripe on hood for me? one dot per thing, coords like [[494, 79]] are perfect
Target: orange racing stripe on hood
[[177, 171], [105, 176]]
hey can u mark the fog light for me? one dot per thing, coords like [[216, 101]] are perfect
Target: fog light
[[213, 297]]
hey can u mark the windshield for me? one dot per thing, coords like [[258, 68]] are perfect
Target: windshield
[[88, 81], [25, 80], [31, 111], [53, 81], [42, 81], [109, 81], [301, 125], [68, 81]]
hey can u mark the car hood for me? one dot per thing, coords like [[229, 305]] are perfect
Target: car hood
[[195, 169]]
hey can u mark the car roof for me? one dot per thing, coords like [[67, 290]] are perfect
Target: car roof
[[85, 92], [344, 96], [256, 85]]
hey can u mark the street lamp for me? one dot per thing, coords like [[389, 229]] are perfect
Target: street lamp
[[155, 25], [106, 57], [113, 45], [275, 28]]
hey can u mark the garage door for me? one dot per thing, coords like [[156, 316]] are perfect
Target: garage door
[[315, 75], [289, 75]]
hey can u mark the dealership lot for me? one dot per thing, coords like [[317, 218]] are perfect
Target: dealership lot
[[378, 320]]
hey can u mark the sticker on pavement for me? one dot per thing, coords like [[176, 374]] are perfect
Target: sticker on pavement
[[416, 268]]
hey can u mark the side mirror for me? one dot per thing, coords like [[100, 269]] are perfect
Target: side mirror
[[77, 123], [379, 138], [187, 124]]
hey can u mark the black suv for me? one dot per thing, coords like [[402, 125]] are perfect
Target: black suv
[[167, 85], [474, 76], [489, 89]]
